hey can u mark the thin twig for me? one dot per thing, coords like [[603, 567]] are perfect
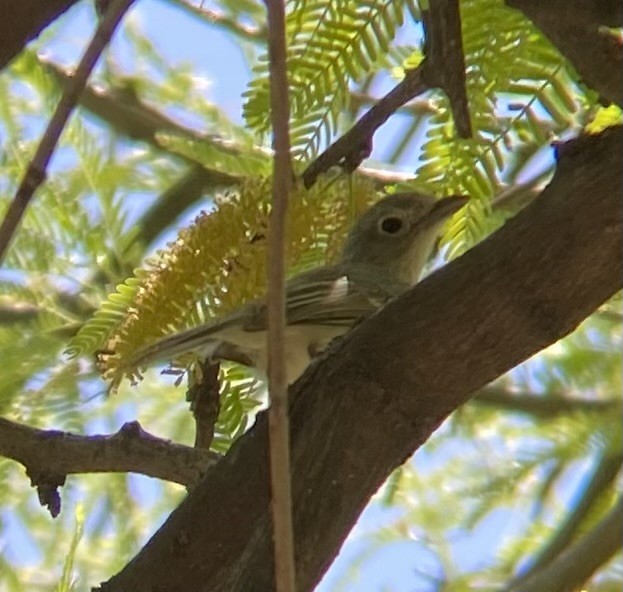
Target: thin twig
[[605, 472], [543, 407], [204, 397], [349, 150], [17, 312], [36, 172], [574, 565], [415, 108], [279, 425], [220, 19]]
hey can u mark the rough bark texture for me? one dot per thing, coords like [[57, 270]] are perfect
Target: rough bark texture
[[573, 26], [380, 393], [21, 21]]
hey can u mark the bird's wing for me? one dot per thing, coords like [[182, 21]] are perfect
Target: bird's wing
[[204, 339], [332, 295]]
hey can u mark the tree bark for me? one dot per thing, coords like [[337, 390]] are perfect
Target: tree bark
[[21, 22], [380, 392], [578, 29]]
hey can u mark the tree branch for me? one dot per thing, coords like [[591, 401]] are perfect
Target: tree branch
[[542, 407], [36, 171], [580, 560], [124, 112], [131, 449], [227, 22], [606, 470], [12, 312], [355, 145], [278, 420], [578, 28], [204, 396], [379, 393], [22, 21], [442, 67], [445, 65]]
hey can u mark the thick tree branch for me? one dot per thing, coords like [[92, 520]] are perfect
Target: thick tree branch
[[131, 449], [380, 392], [578, 28], [22, 21]]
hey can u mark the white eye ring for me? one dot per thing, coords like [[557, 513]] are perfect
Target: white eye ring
[[391, 225]]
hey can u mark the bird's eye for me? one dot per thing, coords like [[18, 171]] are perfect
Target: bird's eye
[[391, 225]]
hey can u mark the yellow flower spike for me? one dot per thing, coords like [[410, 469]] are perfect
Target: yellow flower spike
[[219, 262]]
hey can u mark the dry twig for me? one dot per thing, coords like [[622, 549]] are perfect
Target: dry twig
[[204, 397], [279, 425]]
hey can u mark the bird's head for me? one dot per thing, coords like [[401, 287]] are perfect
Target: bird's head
[[397, 234]]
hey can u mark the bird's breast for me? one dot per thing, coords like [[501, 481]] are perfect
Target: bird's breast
[[302, 342]]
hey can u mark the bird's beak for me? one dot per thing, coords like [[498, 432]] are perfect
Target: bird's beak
[[444, 208]]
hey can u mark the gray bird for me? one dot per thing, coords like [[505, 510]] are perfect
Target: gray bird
[[383, 256]]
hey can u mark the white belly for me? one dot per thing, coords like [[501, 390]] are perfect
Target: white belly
[[300, 340]]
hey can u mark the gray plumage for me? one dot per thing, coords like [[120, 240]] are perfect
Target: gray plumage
[[383, 256]]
